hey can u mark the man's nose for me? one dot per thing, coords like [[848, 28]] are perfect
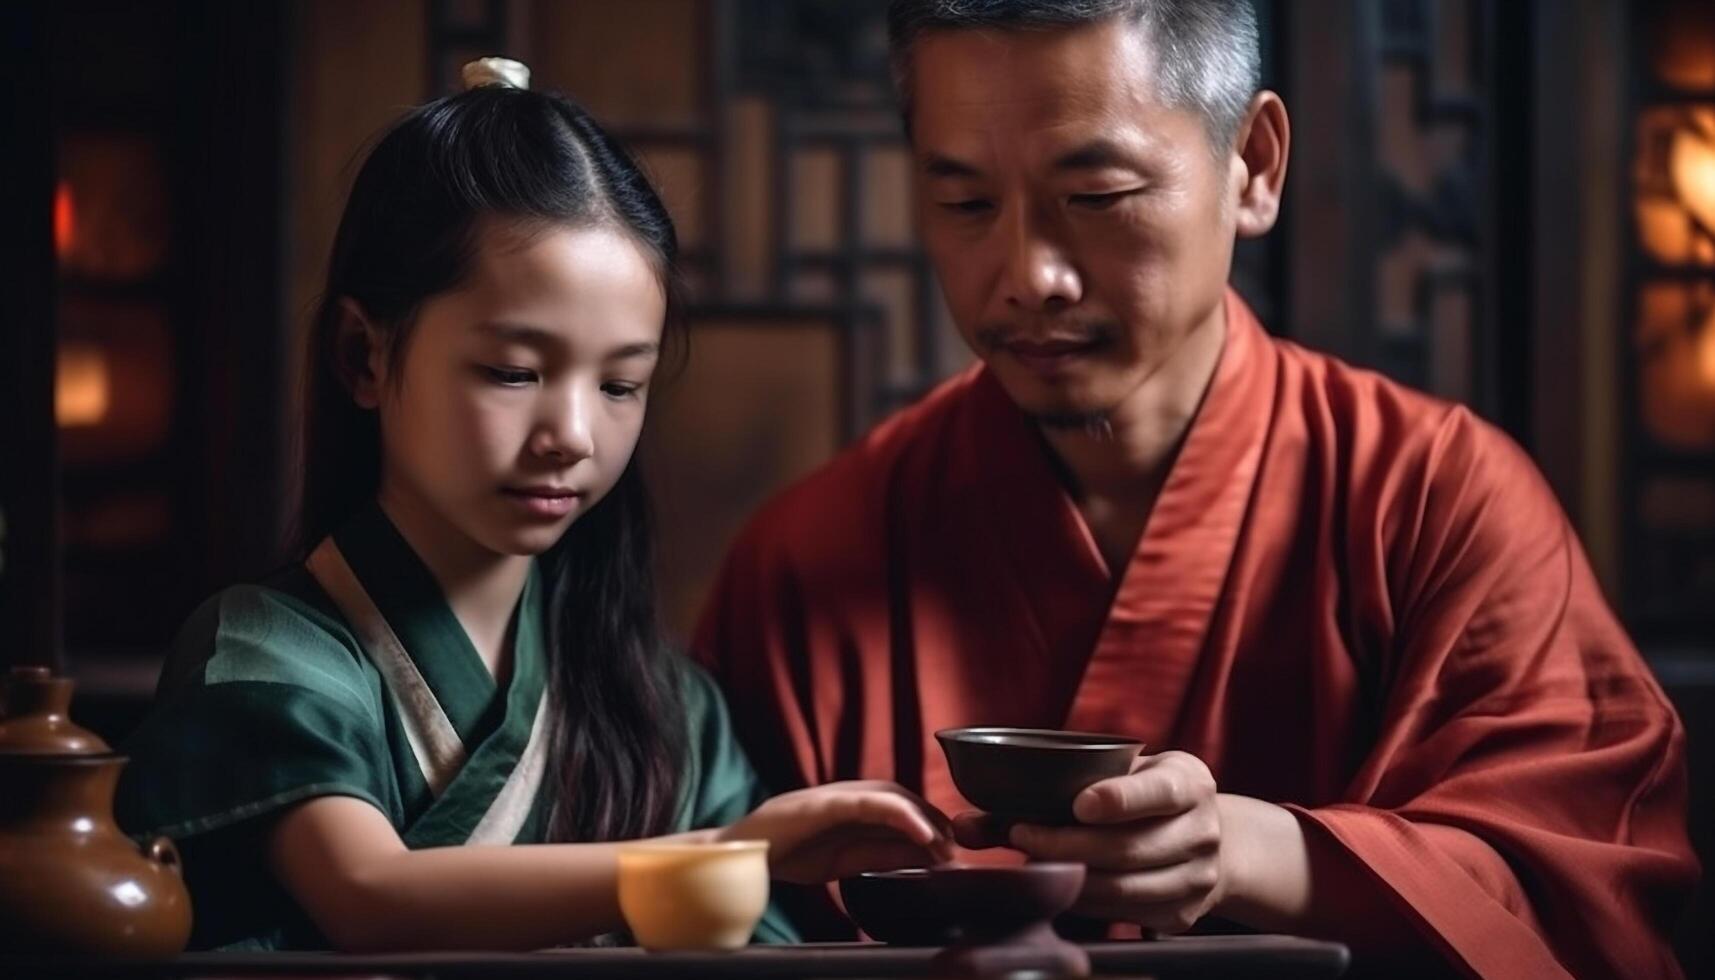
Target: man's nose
[[1040, 276]]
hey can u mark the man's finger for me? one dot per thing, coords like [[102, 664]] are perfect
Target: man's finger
[[1160, 786], [979, 831], [1135, 846], [1186, 881]]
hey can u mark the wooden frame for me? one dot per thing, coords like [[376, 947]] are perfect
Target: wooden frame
[[768, 394]]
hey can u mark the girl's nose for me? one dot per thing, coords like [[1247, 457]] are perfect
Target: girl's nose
[[565, 434]]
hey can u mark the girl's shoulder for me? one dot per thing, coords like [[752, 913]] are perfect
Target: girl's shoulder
[[280, 631], [720, 786], [699, 696]]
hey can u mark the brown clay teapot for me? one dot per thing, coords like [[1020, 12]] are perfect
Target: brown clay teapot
[[71, 883]]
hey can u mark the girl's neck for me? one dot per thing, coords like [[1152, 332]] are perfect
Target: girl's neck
[[481, 585]]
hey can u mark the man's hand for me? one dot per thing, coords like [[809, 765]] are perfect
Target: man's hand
[[1151, 840]]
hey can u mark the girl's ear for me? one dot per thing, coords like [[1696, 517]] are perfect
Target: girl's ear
[[359, 356]]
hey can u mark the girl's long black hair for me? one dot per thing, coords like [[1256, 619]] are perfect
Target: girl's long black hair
[[408, 234]]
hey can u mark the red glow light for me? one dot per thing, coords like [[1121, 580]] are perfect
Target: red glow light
[[65, 220]]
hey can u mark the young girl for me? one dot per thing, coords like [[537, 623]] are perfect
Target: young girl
[[468, 655]]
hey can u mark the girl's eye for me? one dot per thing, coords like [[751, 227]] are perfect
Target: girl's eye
[[1100, 202], [510, 377], [618, 390], [972, 206]]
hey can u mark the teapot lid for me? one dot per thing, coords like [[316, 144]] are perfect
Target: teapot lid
[[33, 716]]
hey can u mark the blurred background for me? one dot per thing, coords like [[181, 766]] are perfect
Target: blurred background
[[1510, 203]]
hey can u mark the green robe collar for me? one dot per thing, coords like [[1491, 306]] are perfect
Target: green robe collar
[[483, 750]]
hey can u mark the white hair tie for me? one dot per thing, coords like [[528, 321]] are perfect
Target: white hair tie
[[496, 71]]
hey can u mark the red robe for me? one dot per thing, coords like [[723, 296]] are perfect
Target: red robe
[[1350, 599]]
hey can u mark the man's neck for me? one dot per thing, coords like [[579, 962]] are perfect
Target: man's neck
[[1116, 472], [482, 587]]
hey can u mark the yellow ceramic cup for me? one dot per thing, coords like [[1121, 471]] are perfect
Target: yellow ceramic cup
[[693, 896]]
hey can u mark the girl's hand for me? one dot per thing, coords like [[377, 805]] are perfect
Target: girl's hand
[[841, 829]]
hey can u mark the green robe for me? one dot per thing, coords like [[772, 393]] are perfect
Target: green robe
[[282, 692]]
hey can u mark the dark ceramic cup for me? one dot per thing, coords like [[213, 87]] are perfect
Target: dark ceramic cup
[[1032, 774], [1004, 920], [898, 907], [997, 901]]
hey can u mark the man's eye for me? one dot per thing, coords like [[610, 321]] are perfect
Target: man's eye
[[1100, 202], [971, 206], [510, 377]]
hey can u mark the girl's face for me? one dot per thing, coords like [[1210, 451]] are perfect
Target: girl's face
[[519, 396]]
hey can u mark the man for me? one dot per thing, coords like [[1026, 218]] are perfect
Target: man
[[1385, 700]]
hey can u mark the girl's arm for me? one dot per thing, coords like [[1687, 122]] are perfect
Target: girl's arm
[[343, 861]]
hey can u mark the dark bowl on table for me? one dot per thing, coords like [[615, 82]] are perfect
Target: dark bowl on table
[[1032, 774], [988, 901], [898, 907]]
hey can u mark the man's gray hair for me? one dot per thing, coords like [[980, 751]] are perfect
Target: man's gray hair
[[1208, 58]]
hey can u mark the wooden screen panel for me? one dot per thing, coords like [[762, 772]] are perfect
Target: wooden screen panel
[[637, 63], [762, 402]]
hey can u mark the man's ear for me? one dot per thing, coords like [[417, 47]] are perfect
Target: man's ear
[[1259, 164], [359, 356]]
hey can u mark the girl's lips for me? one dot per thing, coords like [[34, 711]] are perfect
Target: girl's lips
[[549, 503]]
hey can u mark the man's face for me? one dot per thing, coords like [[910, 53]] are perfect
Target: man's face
[[1080, 228]]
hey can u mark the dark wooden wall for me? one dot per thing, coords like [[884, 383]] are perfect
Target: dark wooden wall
[[29, 551], [191, 94]]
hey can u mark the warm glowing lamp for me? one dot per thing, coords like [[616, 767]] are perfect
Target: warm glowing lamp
[[82, 389], [1691, 163], [1691, 167]]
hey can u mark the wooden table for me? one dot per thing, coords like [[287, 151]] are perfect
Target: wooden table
[[1166, 959]]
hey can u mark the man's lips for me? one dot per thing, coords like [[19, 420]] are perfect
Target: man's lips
[[1050, 355], [1051, 347]]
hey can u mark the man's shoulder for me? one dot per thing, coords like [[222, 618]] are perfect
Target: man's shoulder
[[1355, 394], [1378, 433], [1353, 407]]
